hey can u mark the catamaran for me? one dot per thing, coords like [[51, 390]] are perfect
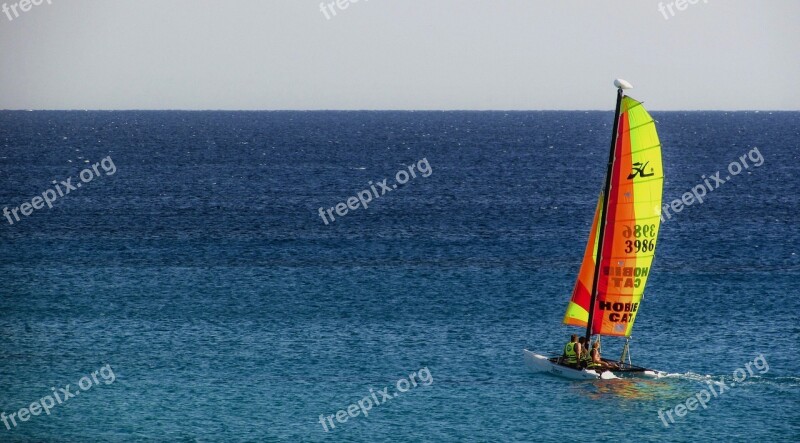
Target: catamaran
[[608, 292]]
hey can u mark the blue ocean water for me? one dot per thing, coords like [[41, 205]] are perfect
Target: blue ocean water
[[202, 273]]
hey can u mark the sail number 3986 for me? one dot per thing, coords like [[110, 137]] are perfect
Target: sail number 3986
[[647, 233]]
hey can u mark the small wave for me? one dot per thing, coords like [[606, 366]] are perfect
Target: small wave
[[689, 376], [730, 380]]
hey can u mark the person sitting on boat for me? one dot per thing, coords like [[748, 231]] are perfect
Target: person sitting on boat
[[570, 357], [596, 361], [581, 348], [584, 357]]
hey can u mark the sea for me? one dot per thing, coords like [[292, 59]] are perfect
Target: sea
[[209, 280]]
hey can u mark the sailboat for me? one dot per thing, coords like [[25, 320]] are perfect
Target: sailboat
[[608, 292]]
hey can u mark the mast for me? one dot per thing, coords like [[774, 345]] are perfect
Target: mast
[[621, 84]]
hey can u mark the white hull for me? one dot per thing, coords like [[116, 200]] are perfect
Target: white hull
[[540, 363]]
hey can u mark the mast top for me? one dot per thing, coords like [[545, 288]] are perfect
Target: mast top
[[622, 84]]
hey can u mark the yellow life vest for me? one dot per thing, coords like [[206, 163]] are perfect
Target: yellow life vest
[[591, 362], [585, 354], [569, 351]]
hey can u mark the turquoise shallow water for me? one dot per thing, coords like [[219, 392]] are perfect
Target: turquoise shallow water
[[202, 274]]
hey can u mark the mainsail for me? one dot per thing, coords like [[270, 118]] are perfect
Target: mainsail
[[627, 242]]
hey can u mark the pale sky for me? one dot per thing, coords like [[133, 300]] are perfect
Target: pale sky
[[398, 54]]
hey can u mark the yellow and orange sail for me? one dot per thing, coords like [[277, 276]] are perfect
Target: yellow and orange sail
[[630, 233]]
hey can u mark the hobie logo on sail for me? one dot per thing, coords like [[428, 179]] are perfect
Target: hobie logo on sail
[[627, 310], [638, 169], [625, 277]]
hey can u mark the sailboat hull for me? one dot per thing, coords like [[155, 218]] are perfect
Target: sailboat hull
[[540, 363]]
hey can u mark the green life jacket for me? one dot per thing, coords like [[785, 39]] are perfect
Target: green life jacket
[[569, 352], [585, 355], [591, 363]]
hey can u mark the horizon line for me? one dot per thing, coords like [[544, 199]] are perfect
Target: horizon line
[[380, 110]]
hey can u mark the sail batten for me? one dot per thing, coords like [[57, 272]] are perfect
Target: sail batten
[[630, 231]]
